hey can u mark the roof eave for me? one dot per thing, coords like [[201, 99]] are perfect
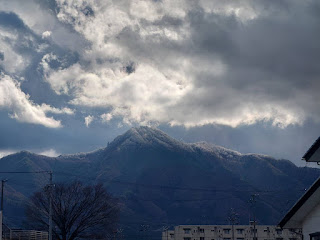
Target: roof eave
[[299, 203], [315, 146]]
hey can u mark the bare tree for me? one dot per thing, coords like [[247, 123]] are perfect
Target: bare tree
[[79, 211]]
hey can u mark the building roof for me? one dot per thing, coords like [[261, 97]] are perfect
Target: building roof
[[313, 154], [303, 207]]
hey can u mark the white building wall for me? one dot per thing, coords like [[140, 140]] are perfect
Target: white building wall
[[168, 235], [229, 232], [311, 224]]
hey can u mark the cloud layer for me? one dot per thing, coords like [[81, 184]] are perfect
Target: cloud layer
[[188, 63], [23, 109]]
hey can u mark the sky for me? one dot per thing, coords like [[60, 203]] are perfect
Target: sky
[[241, 74]]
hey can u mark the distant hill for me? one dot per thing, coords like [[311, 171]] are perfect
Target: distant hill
[[162, 181]]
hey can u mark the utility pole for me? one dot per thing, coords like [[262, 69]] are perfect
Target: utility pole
[[50, 197], [253, 202], [1, 209], [233, 218], [50, 206], [2, 186]]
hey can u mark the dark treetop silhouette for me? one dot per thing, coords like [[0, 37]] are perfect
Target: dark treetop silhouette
[[79, 211]]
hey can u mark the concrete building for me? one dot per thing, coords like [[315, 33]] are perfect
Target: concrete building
[[305, 214], [20, 234], [230, 232]]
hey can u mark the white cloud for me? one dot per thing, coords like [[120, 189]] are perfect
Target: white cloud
[[13, 62], [243, 10], [46, 59], [49, 153], [106, 117], [88, 120], [4, 153], [39, 20], [46, 34], [21, 108], [110, 19], [31, 14], [49, 109], [245, 114], [141, 96]]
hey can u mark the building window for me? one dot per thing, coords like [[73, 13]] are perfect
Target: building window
[[186, 230], [295, 230], [201, 230], [240, 238], [226, 238], [279, 238], [240, 231], [254, 230], [201, 238], [226, 231], [279, 231], [315, 236], [171, 235], [292, 238]]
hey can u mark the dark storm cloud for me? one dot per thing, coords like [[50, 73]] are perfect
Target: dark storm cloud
[[272, 59]]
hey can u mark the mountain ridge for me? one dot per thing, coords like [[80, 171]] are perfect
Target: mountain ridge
[[158, 177], [142, 136]]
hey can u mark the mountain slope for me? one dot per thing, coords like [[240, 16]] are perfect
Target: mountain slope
[[162, 181]]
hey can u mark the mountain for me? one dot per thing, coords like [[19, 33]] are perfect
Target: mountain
[[162, 181]]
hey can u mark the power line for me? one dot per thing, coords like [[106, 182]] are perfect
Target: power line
[[153, 185], [173, 187], [27, 172], [146, 185]]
